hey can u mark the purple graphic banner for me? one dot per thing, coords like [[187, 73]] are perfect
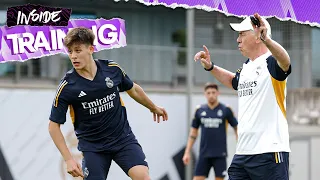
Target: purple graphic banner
[[20, 43], [301, 11]]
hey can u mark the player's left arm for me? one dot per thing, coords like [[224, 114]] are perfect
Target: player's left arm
[[232, 121], [138, 94]]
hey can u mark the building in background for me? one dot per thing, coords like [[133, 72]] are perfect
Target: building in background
[[156, 38]]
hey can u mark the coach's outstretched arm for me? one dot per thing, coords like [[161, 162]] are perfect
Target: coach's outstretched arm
[[74, 168], [222, 75], [279, 53], [137, 93]]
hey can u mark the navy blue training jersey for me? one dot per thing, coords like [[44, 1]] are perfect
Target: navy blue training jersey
[[213, 123], [96, 108]]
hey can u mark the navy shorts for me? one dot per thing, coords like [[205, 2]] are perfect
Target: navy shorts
[[267, 166], [97, 164], [204, 164]]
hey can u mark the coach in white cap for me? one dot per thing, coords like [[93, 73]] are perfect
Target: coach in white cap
[[263, 138]]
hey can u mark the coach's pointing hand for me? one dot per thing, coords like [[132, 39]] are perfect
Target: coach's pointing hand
[[204, 57], [261, 32], [74, 168], [158, 112]]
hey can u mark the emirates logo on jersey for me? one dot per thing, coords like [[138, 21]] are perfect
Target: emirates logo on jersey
[[211, 122], [246, 88], [100, 105]]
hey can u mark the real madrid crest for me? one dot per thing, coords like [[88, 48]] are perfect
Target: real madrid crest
[[219, 113], [258, 71], [109, 82]]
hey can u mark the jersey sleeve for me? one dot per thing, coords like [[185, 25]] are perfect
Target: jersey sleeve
[[60, 104], [196, 120], [275, 70], [230, 117], [126, 83], [235, 80]]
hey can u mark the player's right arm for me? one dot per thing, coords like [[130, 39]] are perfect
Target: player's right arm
[[57, 117], [192, 138], [222, 75]]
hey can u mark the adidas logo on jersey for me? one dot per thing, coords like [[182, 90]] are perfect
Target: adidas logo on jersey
[[82, 94]]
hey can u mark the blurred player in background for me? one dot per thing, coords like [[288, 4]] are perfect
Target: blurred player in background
[[91, 90], [263, 145], [213, 118]]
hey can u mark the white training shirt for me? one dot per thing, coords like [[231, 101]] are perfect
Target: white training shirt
[[262, 127]]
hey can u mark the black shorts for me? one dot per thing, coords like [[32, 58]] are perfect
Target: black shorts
[[204, 164], [97, 164], [271, 166]]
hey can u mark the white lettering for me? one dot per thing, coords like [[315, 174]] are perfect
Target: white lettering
[[94, 29], [211, 122], [93, 111], [113, 35], [105, 107], [19, 16], [26, 44], [44, 43], [101, 108], [43, 17], [14, 39], [84, 105], [100, 105], [54, 15], [54, 41], [23, 18], [60, 35], [35, 17]]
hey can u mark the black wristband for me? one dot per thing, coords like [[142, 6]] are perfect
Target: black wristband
[[210, 67]]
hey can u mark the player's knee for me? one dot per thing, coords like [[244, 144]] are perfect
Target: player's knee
[[147, 178], [199, 177], [141, 177], [139, 173]]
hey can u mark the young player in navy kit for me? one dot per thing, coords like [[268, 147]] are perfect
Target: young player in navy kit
[[91, 90], [213, 118]]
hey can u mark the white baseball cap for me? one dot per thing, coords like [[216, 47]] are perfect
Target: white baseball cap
[[246, 25]]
